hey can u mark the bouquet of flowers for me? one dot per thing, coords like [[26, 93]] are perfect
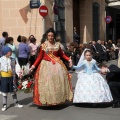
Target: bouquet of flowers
[[26, 81], [26, 85]]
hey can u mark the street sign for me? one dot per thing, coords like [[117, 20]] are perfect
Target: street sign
[[108, 19], [43, 10], [34, 4]]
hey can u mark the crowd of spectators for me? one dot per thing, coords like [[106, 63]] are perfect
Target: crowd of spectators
[[102, 50]]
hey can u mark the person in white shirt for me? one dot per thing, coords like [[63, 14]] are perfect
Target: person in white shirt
[[7, 78], [9, 42]]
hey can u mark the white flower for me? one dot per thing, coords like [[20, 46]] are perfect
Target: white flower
[[24, 84]]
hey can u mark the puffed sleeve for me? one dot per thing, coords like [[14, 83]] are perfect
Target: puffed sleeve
[[40, 57], [79, 67], [62, 55], [96, 67]]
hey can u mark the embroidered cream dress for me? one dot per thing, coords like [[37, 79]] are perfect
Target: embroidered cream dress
[[52, 81]]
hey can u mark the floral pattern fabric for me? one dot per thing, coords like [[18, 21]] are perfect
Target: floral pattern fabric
[[91, 88], [52, 81]]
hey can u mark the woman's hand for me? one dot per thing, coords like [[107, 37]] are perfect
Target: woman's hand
[[32, 68]]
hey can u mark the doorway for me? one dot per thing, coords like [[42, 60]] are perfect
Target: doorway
[[113, 28], [117, 26], [76, 15]]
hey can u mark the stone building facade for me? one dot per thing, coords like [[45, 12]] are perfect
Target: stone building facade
[[17, 18], [86, 20]]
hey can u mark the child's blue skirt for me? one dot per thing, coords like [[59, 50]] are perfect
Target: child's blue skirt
[[6, 84]]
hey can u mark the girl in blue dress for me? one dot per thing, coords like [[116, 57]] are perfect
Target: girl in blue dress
[[91, 86]]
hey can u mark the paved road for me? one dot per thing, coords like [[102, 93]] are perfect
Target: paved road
[[65, 112]]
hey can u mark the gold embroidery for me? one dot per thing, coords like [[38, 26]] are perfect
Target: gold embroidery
[[57, 60], [46, 46], [53, 84]]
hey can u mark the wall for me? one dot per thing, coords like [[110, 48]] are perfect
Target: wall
[[86, 20], [69, 20], [19, 19]]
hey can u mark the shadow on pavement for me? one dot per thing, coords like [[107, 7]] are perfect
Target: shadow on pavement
[[93, 105], [26, 101], [56, 107]]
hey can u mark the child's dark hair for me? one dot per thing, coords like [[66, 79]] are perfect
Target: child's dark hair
[[88, 51]]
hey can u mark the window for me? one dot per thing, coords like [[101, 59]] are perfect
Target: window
[[96, 21]]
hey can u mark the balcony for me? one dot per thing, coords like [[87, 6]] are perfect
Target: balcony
[[113, 3]]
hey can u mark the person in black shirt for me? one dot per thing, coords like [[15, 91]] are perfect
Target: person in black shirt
[[113, 77], [76, 37]]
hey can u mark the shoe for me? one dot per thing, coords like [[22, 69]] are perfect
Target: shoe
[[18, 105], [116, 105], [4, 108]]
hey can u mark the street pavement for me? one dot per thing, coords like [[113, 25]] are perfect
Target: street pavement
[[63, 112]]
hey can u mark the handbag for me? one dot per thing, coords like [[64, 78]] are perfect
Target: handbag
[[18, 69], [22, 71], [25, 69]]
